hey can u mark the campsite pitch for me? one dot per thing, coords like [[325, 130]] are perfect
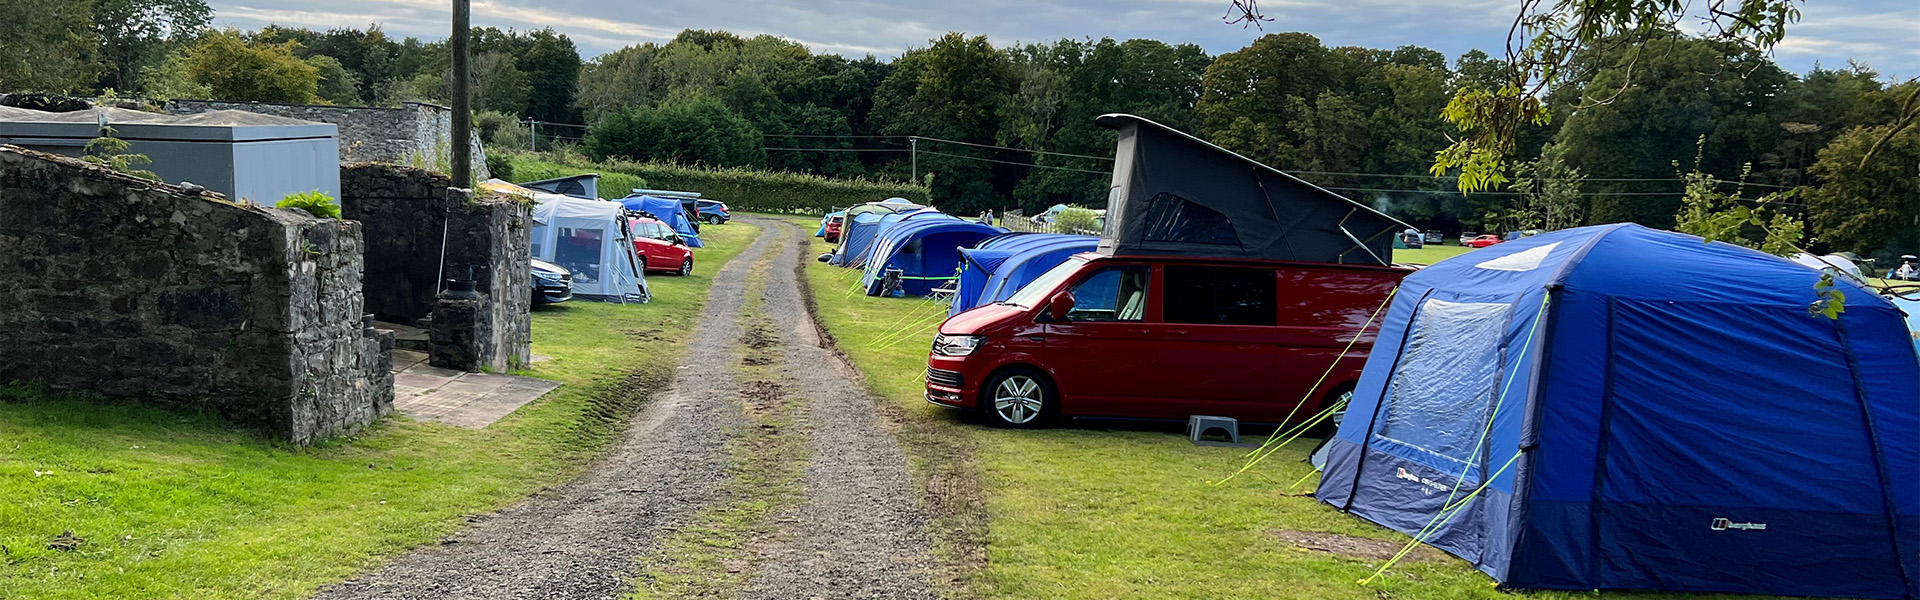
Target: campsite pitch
[[1099, 510]]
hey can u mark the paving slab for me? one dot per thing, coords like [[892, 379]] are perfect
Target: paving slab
[[461, 399]]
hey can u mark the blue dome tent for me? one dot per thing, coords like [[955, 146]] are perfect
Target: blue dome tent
[[668, 211], [997, 267], [925, 246], [1602, 417]]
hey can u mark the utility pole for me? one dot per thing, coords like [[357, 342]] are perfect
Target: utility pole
[[914, 144], [462, 113]]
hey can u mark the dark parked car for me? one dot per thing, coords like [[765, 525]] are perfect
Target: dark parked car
[[551, 283], [714, 212]]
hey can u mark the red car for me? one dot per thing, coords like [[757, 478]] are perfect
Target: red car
[[659, 248], [1162, 338], [834, 223], [1483, 241]]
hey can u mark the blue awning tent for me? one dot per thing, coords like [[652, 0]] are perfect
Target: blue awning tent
[[668, 211], [925, 246], [998, 266], [1604, 417]]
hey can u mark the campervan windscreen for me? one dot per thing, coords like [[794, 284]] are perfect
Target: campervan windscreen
[[1036, 291]]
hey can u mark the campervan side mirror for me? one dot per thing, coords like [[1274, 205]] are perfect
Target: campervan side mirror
[[1060, 306]]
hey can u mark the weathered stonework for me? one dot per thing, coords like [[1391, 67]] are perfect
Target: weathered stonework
[[127, 288], [410, 216], [414, 134]]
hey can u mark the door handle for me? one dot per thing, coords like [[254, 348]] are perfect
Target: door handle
[[1176, 332], [1138, 331]]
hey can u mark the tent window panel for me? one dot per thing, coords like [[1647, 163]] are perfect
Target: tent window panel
[[1219, 295], [579, 250], [1443, 391], [1171, 218]]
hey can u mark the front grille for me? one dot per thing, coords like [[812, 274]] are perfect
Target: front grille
[[943, 377]]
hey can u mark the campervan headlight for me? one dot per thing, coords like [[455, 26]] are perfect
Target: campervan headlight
[[957, 345]]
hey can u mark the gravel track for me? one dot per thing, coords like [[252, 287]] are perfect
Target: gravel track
[[580, 540], [861, 532]]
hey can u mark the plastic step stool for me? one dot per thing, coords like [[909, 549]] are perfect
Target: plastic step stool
[[1199, 425]]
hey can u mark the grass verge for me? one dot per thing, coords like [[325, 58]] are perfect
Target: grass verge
[[168, 504], [1088, 513]]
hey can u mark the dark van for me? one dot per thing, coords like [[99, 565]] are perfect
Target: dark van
[[1162, 338]]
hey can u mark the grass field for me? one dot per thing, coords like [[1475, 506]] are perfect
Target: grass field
[[1092, 513], [1429, 254], [177, 505]]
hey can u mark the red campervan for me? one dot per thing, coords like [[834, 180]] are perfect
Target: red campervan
[[1221, 287], [1162, 338]]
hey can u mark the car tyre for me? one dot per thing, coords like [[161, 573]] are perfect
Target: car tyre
[[714, 220], [643, 265], [1019, 398], [686, 267]]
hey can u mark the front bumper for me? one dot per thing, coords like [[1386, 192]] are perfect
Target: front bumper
[[550, 291], [947, 382]]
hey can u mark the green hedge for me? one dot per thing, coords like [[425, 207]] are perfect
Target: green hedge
[[741, 189]]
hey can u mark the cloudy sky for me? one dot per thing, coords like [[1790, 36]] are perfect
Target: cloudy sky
[[1885, 34]]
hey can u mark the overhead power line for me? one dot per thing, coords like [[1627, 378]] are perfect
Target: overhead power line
[[836, 149], [1009, 162]]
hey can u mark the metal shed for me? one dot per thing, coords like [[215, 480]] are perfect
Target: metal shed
[[255, 157]]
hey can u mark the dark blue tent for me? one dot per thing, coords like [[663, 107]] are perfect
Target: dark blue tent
[[998, 266], [1604, 417], [856, 235], [668, 211], [925, 246]]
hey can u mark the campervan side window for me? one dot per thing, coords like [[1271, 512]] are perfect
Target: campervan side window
[[1219, 295], [1112, 294]]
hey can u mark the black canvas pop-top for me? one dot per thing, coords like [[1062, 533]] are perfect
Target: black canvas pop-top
[[1176, 195]]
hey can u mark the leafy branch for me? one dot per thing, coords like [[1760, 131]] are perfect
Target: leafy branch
[[1556, 42]]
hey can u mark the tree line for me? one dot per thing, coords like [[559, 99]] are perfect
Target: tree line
[[1000, 127]]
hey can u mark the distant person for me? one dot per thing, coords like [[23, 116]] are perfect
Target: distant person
[[1907, 270], [986, 217]]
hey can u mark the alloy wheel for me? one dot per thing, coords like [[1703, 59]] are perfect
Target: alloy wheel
[[1018, 399], [686, 267]]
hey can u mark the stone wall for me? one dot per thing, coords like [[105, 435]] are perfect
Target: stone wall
[[415, 134], [127, 288], [410, 216]]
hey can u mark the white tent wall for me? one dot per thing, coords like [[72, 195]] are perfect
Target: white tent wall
[[589, 238]]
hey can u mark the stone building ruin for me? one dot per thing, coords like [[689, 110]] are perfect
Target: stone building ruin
[[134, 290]]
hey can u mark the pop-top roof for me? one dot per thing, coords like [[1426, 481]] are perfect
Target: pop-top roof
[[1177, 195]]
